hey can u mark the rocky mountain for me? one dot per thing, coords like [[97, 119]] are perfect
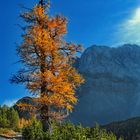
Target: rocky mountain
[[112, 88], [24, 113]]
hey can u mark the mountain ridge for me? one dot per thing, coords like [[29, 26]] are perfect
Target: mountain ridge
[[129, 129], [111, 91]]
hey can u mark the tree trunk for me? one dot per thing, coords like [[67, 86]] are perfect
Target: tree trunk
[[45, 119], [41, 2], [45, 108]]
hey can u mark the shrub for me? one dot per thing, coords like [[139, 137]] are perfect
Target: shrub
[[34, 131], [66, 131]]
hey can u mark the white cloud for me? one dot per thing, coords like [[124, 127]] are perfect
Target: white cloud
[[135, 20], [129, 30], [10, 102]]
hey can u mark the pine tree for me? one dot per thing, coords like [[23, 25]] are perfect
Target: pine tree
[[47, 60]]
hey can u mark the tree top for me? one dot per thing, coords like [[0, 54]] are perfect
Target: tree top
[[43, 3]]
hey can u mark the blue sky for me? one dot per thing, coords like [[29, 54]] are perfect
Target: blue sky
[[101, 22]]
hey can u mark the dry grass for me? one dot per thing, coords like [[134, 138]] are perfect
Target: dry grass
[[7, 132]]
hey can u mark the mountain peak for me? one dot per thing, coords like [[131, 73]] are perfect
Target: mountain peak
[[112, 84]]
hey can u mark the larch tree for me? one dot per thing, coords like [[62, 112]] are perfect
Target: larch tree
[[47, 59]]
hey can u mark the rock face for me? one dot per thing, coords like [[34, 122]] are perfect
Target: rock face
[[112, 88]]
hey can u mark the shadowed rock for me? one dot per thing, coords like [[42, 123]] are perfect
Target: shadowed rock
[[112, 88]]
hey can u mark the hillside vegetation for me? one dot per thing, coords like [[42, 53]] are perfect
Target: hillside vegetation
[[66, 131], [9, 121], [129, 129]]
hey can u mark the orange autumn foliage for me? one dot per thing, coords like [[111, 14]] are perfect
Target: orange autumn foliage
[[48, 59], [23, 122]]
